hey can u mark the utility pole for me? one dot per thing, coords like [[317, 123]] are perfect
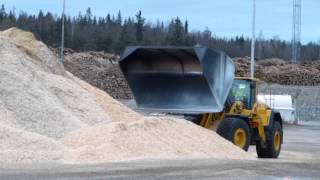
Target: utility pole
[[62, 32], [253, 40], [319, 49], [296, 31]]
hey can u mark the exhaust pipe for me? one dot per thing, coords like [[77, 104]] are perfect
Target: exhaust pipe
[[178, 79]]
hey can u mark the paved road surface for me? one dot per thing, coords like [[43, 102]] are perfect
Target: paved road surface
[[300, 159]]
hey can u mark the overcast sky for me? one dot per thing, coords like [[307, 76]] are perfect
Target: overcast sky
[[226, 18]]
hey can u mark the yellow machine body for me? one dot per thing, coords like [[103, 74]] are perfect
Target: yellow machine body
[[259, 117]]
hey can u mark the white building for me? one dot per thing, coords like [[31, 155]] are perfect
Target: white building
[[281, 103]]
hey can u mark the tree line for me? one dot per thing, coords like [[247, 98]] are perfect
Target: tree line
[[112, 33]]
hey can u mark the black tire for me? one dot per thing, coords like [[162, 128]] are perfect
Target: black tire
[[195, 118], [229, 126], [270, 151]]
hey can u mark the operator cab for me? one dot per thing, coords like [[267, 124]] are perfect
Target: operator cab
[[243, 90]]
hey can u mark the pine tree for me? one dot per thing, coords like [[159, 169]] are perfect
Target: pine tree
[[176, 36], [3, 13], [119, 18], [113, 32], [88, 17], [139, 26], [186, 27]]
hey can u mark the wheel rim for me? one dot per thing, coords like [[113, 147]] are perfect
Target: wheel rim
[[277, 141], [240, 138]]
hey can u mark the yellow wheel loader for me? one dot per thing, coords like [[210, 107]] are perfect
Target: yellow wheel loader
[[200, 83]]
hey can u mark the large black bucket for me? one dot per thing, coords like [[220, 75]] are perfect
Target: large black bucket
[[178, 79]]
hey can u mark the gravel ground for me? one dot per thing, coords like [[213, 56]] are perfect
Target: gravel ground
[[298, 160]]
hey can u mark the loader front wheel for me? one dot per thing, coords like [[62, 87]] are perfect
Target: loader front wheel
[[235, 130], [273, 145]]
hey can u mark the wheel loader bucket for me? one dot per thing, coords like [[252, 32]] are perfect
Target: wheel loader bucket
[[178, 79]]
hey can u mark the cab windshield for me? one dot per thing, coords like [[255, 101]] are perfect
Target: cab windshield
[[241, 91]]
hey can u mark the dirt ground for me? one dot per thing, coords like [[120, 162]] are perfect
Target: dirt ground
[[299, 159]]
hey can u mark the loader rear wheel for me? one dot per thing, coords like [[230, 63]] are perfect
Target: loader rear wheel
[[273, 145], [235, 130]]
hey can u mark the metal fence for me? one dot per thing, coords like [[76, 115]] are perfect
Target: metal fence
[[308, 113]]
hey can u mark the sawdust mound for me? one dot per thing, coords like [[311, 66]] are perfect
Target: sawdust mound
[[46, 114], [18, 146], [150, 138], [116, 110], [131, 136], [39, 101], [37, 51], [38, 95]]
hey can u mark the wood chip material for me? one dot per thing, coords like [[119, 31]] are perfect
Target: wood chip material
[[47, 114]]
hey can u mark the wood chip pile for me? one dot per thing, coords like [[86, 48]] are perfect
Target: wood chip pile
[[47, 114], [100, 70], [282, 72]]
